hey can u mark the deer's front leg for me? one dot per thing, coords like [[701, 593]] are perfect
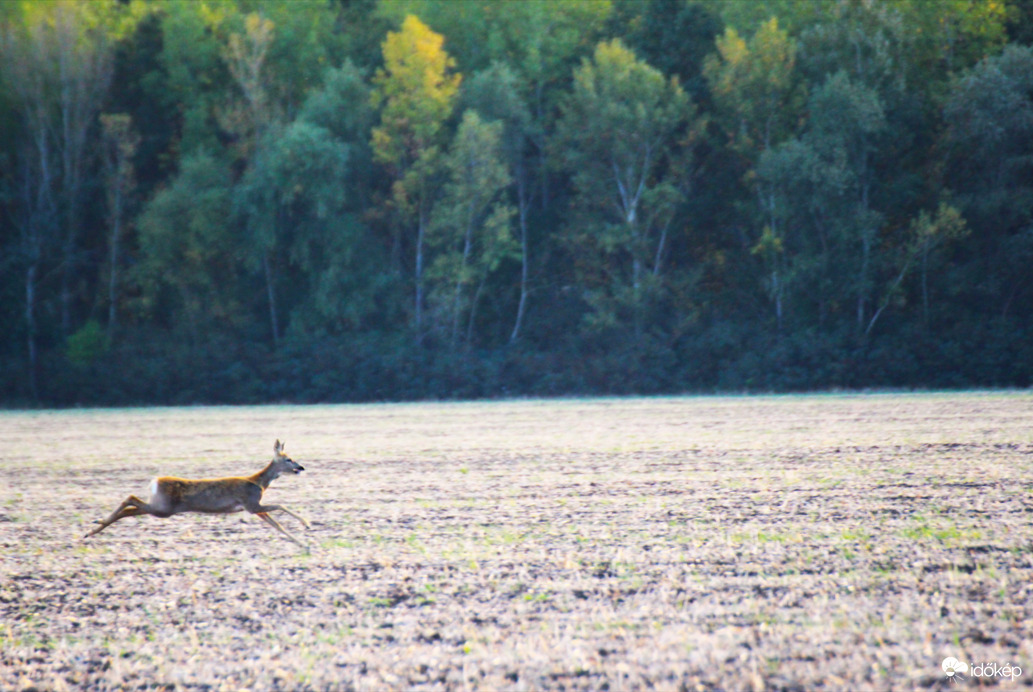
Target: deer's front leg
[[273, 508], [276, 525]]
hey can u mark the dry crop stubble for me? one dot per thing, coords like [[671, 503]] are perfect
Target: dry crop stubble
[[769, 542]]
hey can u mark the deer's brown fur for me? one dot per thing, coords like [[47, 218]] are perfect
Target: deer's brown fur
[[170, 495]]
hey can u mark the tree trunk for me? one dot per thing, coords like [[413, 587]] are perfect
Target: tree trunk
[[420, 232], [661, 247], [30, 323], [67, 262], [636, 274], [862, 280], [889, 296], [116, 232], [473, 310], [274, 323], [467, 248], [925, 286], [84, 72], [120, 144], [541, 144], [522, 204], [70, 191]]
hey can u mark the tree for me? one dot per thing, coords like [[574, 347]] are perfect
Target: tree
[[989, 133], [35, 217], [674, 36], [541, 41], [245, 57], [817, 194], [495, 94], [471, 226], [746, 17], [192, 75], [953, 35], [350, 287], [618, 132], [544, 41], [296, 193], [57, 59], [25, 52], [83, 52], [415, 92], [305, 43], [1019, 22], [187, 245], [756, 92], [928, 235], [847, 120], [304, 203], [758, 99], [990, 125], [141, 91], [273, 54], [120, 145], [801, 195]]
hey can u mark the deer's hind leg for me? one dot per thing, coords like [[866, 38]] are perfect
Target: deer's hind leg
[[131, 506]]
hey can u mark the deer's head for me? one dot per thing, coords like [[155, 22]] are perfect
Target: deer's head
[[283, 463]]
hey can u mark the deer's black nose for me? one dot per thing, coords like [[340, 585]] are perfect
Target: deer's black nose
[[300, 468]]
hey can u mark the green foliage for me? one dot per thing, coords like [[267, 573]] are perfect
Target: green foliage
[[86, 345], [674, 36], [990, 120], [618, 130], [542, 39], [303, 46], [817, 193], [188, 248], [341, 105], [266, 200], [191, 72], [415, 92], [471, 229], [747, 17], [756, 90], [495, 93]]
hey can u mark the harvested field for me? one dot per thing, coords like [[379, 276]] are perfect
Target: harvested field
[[835, 542]]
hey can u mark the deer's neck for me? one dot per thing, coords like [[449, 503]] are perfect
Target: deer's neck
[[266, 476]]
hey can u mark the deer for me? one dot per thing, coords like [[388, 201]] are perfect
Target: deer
[[171, 496]]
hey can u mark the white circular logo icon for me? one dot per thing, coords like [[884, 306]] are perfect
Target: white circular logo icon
[[953, 667]]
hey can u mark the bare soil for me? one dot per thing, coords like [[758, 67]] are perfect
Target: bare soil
[[831, 542]]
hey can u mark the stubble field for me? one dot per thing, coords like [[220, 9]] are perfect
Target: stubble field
[[833, 542]]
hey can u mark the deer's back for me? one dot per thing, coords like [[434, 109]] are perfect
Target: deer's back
[[218, 495]]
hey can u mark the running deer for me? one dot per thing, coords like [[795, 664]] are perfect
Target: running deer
[[212, 496]]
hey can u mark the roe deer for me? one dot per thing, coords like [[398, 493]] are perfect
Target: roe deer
[[212, 495]]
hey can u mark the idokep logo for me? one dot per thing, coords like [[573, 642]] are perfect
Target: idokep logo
[[955, 670]]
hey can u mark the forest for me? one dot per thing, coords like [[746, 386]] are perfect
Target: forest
[[241, 201]]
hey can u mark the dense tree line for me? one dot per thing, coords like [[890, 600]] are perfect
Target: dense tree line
[[335, 200]]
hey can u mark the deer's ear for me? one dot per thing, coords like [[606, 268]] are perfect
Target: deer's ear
[[277, 447]]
